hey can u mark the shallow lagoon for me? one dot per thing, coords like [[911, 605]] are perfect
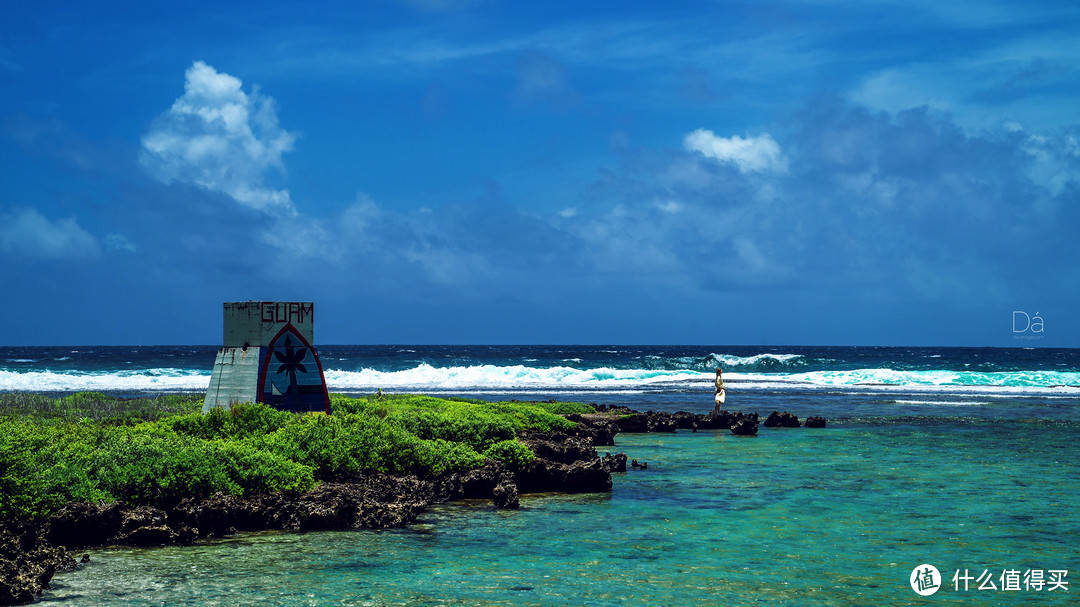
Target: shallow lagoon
[[838, 516]]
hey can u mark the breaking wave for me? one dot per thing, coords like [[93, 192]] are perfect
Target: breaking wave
[[158, 380], [426, 377], [767, 362], [892, 377]]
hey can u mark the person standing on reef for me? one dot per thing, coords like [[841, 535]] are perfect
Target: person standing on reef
[[721, 395]]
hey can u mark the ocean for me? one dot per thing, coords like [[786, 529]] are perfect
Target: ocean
[[960, 458]]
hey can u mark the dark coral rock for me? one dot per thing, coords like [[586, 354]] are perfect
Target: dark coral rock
[[614, 463], [684, 420], [744, 427], [28, 561], [815, 422], [580, 477], [661, 422], [634, 423], [600, 431], [505, 494], [777, 419]]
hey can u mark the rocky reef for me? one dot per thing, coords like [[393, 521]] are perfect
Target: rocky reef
[[624, 419], [33, 550]]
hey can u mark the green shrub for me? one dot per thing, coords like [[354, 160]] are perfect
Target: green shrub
[[43, 466], [342, 445], [98, 407], [480, 424], [162, 469], [157, 451], [241, 421], [510, 452], [560, 408]]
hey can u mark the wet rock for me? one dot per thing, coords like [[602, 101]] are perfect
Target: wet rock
[[614, 463], [505, 494], [600, 431], [559, 446], [715, 421], [619, 409], [146, 526], [579, 477], [751, 416], [660, 422], [745, 426], [212, 517], [685, 420], [82, 524], [480, 483], [815, 422], [28, 561], [650, 421], [781, 420], [634, 423]]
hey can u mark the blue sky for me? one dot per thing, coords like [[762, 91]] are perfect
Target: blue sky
[[441, 171]]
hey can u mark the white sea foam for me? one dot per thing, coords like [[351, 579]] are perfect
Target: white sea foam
[[892, 377], [731, 361], [745, 361], [479, 378], [147, 379], [426, 376], [946, 403]]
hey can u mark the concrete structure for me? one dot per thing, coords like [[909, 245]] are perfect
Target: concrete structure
[[268, 357]]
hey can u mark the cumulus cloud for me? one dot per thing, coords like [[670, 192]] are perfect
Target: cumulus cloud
[[871, 204], [759, 154], [28, 233], [220, 138]]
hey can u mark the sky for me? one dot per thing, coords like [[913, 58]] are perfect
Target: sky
[[469, 171]]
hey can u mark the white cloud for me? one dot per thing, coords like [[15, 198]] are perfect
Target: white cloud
[[119, 242], [895, 90], [751, 155], [669, 206], [1052, 162], [27, 232], [218, 137]]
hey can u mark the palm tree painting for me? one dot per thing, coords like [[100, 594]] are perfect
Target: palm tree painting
[[291, 362], [291, 376]]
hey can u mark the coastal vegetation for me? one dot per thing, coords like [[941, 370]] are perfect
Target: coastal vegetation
[[91, 447]]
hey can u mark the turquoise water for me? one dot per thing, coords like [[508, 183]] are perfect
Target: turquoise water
[[838, 516]]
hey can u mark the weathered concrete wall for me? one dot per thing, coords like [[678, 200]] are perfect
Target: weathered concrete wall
[[268, 357], [255, 323], [235, 378]]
